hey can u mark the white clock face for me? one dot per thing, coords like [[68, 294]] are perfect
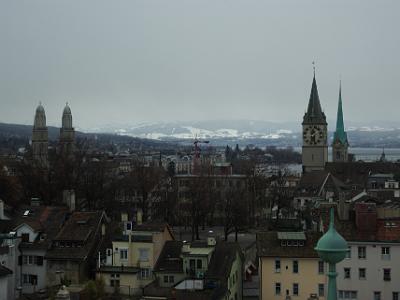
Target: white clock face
[[313, 135]]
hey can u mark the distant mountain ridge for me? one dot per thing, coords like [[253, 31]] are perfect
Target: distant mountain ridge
[[243, 132], [380, 134]]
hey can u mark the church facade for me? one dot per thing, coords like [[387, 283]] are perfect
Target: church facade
[[40, 136]]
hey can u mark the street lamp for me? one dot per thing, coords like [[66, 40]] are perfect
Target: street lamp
[[332, 248]]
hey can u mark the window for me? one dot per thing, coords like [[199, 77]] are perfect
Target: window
[[386, 275], [165, 279], [144, 254], [395, 296], [347, 273], [123, 254], [362, 252], [29, 279], [321, 267], [321, 290], [295, 266], [362, 274], [171, 279], [145, 273], [277, 265], [348, 253], [278, 288], [295, 289], [199, 264], [192, 264], [129, 226], [377, 296], [114, 281], [385, 253], [25, 237], [347, 294], [25, 278]]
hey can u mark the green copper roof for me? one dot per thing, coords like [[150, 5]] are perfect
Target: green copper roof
[[332, 246], [314, 112], [340, 135]]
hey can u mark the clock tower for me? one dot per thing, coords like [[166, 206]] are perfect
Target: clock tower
[[315, 131]]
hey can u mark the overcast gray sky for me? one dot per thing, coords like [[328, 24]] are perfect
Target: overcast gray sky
[[134, 61]]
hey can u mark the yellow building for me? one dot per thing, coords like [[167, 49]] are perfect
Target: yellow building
[[289, 267], [130, 263]]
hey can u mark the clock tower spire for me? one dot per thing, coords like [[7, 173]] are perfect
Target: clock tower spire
[[315, 129]]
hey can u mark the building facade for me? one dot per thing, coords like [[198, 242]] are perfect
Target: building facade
[[289, 267]]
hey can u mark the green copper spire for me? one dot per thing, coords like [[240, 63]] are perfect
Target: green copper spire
[[332, 248], [340, 134]]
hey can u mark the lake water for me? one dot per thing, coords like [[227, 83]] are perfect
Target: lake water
[[364, 154], [368, 154]]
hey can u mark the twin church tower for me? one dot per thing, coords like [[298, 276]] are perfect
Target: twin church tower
[[40, 136], [315, 134]]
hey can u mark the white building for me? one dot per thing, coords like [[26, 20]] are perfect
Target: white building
[[370, 271]]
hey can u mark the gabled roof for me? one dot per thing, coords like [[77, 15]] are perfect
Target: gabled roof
[[357, 172], [153, 227], [222, 259], [42, 219], [313, 183], [269, 245], [170, 259], [314, 113], [81, 227]]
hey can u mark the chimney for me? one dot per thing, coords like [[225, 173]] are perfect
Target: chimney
[[366, 216], [1, 210], [139, 216], [211, 241]]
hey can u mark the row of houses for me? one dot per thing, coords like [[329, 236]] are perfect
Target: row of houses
[[45, 247]]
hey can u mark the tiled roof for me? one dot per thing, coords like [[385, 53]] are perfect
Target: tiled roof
[[4, 271], [170, 259], [150, 226], [222, 259], [269, 245], [90, 223], [79, 226], [357, 172]]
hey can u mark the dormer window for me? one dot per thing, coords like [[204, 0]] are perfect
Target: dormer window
[[291, 239]]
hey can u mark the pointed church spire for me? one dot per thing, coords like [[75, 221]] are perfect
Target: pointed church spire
[[314, 112], [340, 134]]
